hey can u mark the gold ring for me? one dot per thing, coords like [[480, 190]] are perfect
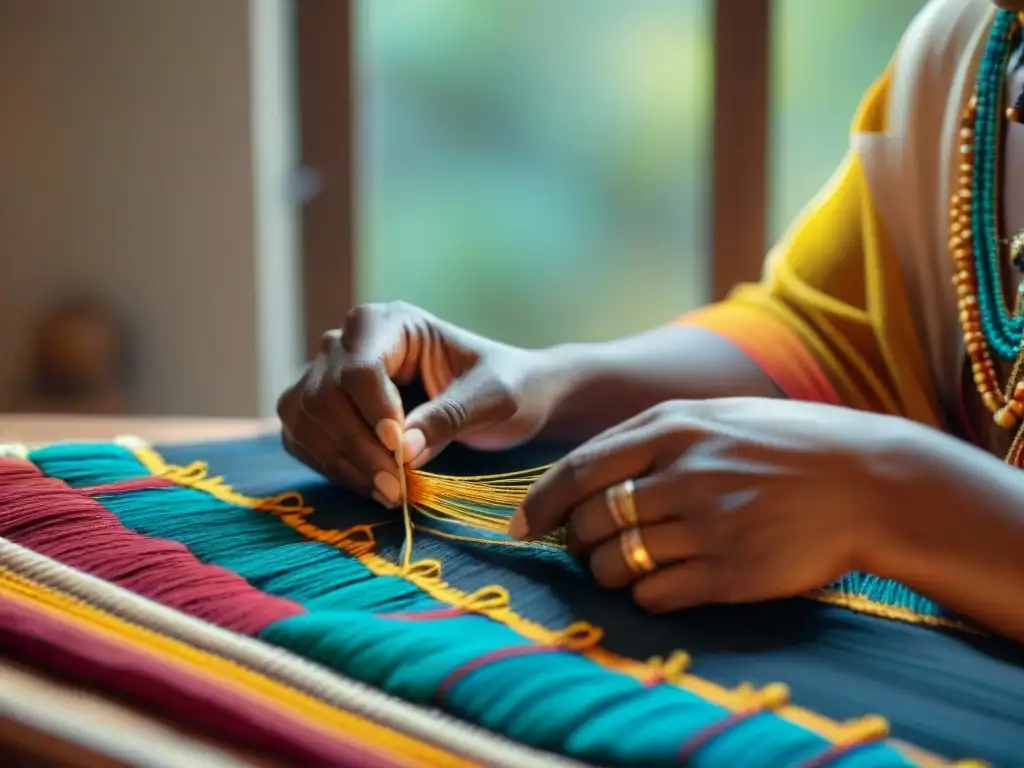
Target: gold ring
[[635, 552], [622, 505]]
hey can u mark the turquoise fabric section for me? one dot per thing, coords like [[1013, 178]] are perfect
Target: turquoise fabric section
[[559, 701], [889, 592]]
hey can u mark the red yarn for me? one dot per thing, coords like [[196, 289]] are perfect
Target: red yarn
[[439, 613], [501, 654], [836, 752], [46, 515], [704, 736]]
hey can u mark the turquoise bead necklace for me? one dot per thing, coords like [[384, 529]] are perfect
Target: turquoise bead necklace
[[1003, 329], [991, 330]]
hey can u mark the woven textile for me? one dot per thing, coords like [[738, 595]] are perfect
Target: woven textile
[[515, 640]]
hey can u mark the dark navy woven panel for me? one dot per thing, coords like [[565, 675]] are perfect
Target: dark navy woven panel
[[956, 694]]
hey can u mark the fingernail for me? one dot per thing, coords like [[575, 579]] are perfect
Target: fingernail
[[381, 500], [389, 432], [517, 525], [413, 444], [387, 486]]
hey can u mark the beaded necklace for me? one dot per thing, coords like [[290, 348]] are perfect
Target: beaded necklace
[[989, 326]]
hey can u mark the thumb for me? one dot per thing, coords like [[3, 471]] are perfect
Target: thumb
[[470, 402]]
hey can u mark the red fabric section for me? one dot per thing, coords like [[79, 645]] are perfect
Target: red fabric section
[[48, 516], [772, 345], [187, 698]]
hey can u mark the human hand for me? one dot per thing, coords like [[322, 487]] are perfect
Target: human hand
[[344, 417], [733, 500]]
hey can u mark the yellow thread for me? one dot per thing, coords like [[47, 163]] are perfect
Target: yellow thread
[[867, 728], [579, 636], [862, 604], [491, 598], [482, 501], [771, 697], [424, 569], [774, 695], [477, 539], [276, 696], [733, 700], [672, 669], [406, 518]]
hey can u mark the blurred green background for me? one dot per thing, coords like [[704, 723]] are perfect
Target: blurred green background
[[538, 170]]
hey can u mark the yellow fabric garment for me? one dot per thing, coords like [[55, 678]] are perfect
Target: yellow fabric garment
[[833, 281]]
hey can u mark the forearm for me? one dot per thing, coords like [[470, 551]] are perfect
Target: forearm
[[603, 384], [967, 553]]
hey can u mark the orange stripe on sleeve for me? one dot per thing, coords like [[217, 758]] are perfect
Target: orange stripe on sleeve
[[771, 345]]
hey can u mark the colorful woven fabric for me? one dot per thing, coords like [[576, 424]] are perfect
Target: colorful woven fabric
[[516, 640]]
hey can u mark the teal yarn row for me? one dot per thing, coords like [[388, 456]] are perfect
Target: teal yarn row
[[560, 701], [1002, 331], [886, 592]]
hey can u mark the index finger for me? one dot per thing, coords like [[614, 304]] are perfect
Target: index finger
[[362, 374], [591, 468]]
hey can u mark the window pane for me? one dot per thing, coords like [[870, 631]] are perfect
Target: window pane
[[535, 170], [825, 55]]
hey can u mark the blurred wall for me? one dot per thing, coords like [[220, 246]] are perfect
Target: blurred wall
[[128, 167]]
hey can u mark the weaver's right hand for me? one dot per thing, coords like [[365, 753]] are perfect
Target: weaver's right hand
[[345, 418]]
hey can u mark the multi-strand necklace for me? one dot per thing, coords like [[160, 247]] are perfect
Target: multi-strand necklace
[[992, 330]]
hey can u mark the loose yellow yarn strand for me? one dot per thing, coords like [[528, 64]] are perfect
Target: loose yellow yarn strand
[[406, 517], [485, 502]]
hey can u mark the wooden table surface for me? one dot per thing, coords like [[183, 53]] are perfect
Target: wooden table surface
[[45, 721]]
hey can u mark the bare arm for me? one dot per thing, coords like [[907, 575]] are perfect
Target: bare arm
[[958, 537], [603, 384]]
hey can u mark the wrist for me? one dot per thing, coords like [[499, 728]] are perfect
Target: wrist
[[953, 531], [953, 517], [598, 385], [569, 375]]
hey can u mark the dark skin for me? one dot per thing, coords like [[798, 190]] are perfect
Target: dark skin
[[742, 496], [343, 416], [743, 500]]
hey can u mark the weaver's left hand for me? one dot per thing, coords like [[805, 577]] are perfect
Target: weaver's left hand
[[734, 500]]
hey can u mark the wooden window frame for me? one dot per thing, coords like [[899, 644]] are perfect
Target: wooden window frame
[[740, 136], [325, 71], [327, 90]]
